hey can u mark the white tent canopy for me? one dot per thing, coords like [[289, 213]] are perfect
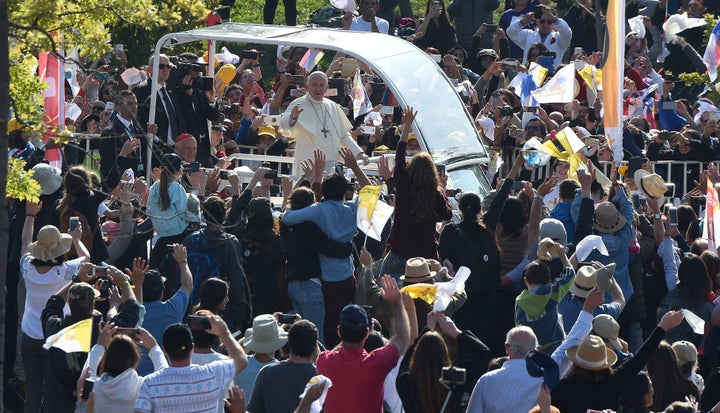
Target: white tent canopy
[[444, 127]]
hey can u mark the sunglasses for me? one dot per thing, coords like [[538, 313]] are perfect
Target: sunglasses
[[532, 127], [163, 66]]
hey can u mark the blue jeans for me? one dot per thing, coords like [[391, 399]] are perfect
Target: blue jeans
[[308, 301], [394, 265]]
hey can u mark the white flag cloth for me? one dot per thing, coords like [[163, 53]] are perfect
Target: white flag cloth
[[559, 89], [588, 244], [317, 405], [447, 289]]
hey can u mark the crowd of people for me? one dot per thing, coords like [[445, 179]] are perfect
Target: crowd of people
[[247, 286]]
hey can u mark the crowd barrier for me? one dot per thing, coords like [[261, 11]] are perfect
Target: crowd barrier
[[680, 173]]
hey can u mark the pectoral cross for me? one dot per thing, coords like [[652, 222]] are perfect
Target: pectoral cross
[[324, 131]]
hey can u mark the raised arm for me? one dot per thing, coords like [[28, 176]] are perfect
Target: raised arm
[[401, 326], [180, 255], [220, 329], [31, 211]]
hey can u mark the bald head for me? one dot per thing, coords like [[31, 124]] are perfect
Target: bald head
[[519, 341]]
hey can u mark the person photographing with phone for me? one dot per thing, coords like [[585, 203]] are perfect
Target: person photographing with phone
[[551, 31], [318, 123]]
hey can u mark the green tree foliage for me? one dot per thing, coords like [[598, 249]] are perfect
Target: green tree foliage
[[20, 183]]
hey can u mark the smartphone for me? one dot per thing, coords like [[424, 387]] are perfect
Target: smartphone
[[224, 174], [636, 201], [517, 186], [87, 388], [669, 105], [74, 223], [194, 167], [436, 58], [387, 110], [672, 213], [453, 375], [440, 169], [170, 249], [100, 270], [271, 174], [367, 129], [105, 288], [339, 169], [296, 79], [531, 109], [490, 28], [287, 318], [273, 119], [130, 332], [538, 12], [198, 322]]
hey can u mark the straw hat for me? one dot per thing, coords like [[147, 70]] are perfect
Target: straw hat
[[592, 354], [606, 327], [417, 270], [607, 218], [586, 278], [651, 185], [265, 336], [50, 244]]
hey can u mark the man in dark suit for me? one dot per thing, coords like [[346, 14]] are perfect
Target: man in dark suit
[[196, 110], [168, 115], [124, 144]]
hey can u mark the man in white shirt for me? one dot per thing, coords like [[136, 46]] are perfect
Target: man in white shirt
[[316, 122], [367, 21], [187, 387], [551, 31]]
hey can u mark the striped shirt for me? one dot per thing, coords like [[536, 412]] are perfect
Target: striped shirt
[[191, 389]]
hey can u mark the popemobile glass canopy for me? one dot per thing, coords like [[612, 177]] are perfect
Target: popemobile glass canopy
[[444, 127]]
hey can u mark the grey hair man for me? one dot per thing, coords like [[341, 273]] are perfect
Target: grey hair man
[[511, 388]]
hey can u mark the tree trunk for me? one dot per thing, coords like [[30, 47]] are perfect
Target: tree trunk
[[4, 114]]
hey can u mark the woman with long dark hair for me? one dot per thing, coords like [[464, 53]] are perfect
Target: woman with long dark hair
[[166, 207], [420, 203], [670, 386], [690, 293], [436, 30], [82, 201], [263, 256], [418, 381], [470, 244], [637, 396]]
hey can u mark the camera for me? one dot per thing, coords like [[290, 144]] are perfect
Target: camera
[[185, 67], [130, 332], [453, 376], [505, 111], [198, 322], [251, 54], [271, 174], [538, 12]]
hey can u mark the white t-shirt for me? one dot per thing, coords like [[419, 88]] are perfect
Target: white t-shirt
[[360, 25], [191, 389], [39, 288], [202, 359]]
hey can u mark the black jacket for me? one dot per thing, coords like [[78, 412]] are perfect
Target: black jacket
[[112, 165], [301, 244], [161, 116]]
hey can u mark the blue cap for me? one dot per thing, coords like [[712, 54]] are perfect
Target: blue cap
[[353, 314], [540, 364], [172, 162]]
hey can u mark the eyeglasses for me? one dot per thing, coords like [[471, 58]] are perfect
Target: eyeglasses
[[163, 66]]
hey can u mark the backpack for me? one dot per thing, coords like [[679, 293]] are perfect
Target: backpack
[[202, 265], [327, 16]]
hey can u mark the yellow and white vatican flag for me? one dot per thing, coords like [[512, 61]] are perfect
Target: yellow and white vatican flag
[[613, 77], [72, 339]]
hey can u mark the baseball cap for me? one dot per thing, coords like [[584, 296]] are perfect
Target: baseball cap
[[82, 291], [353, 314]]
